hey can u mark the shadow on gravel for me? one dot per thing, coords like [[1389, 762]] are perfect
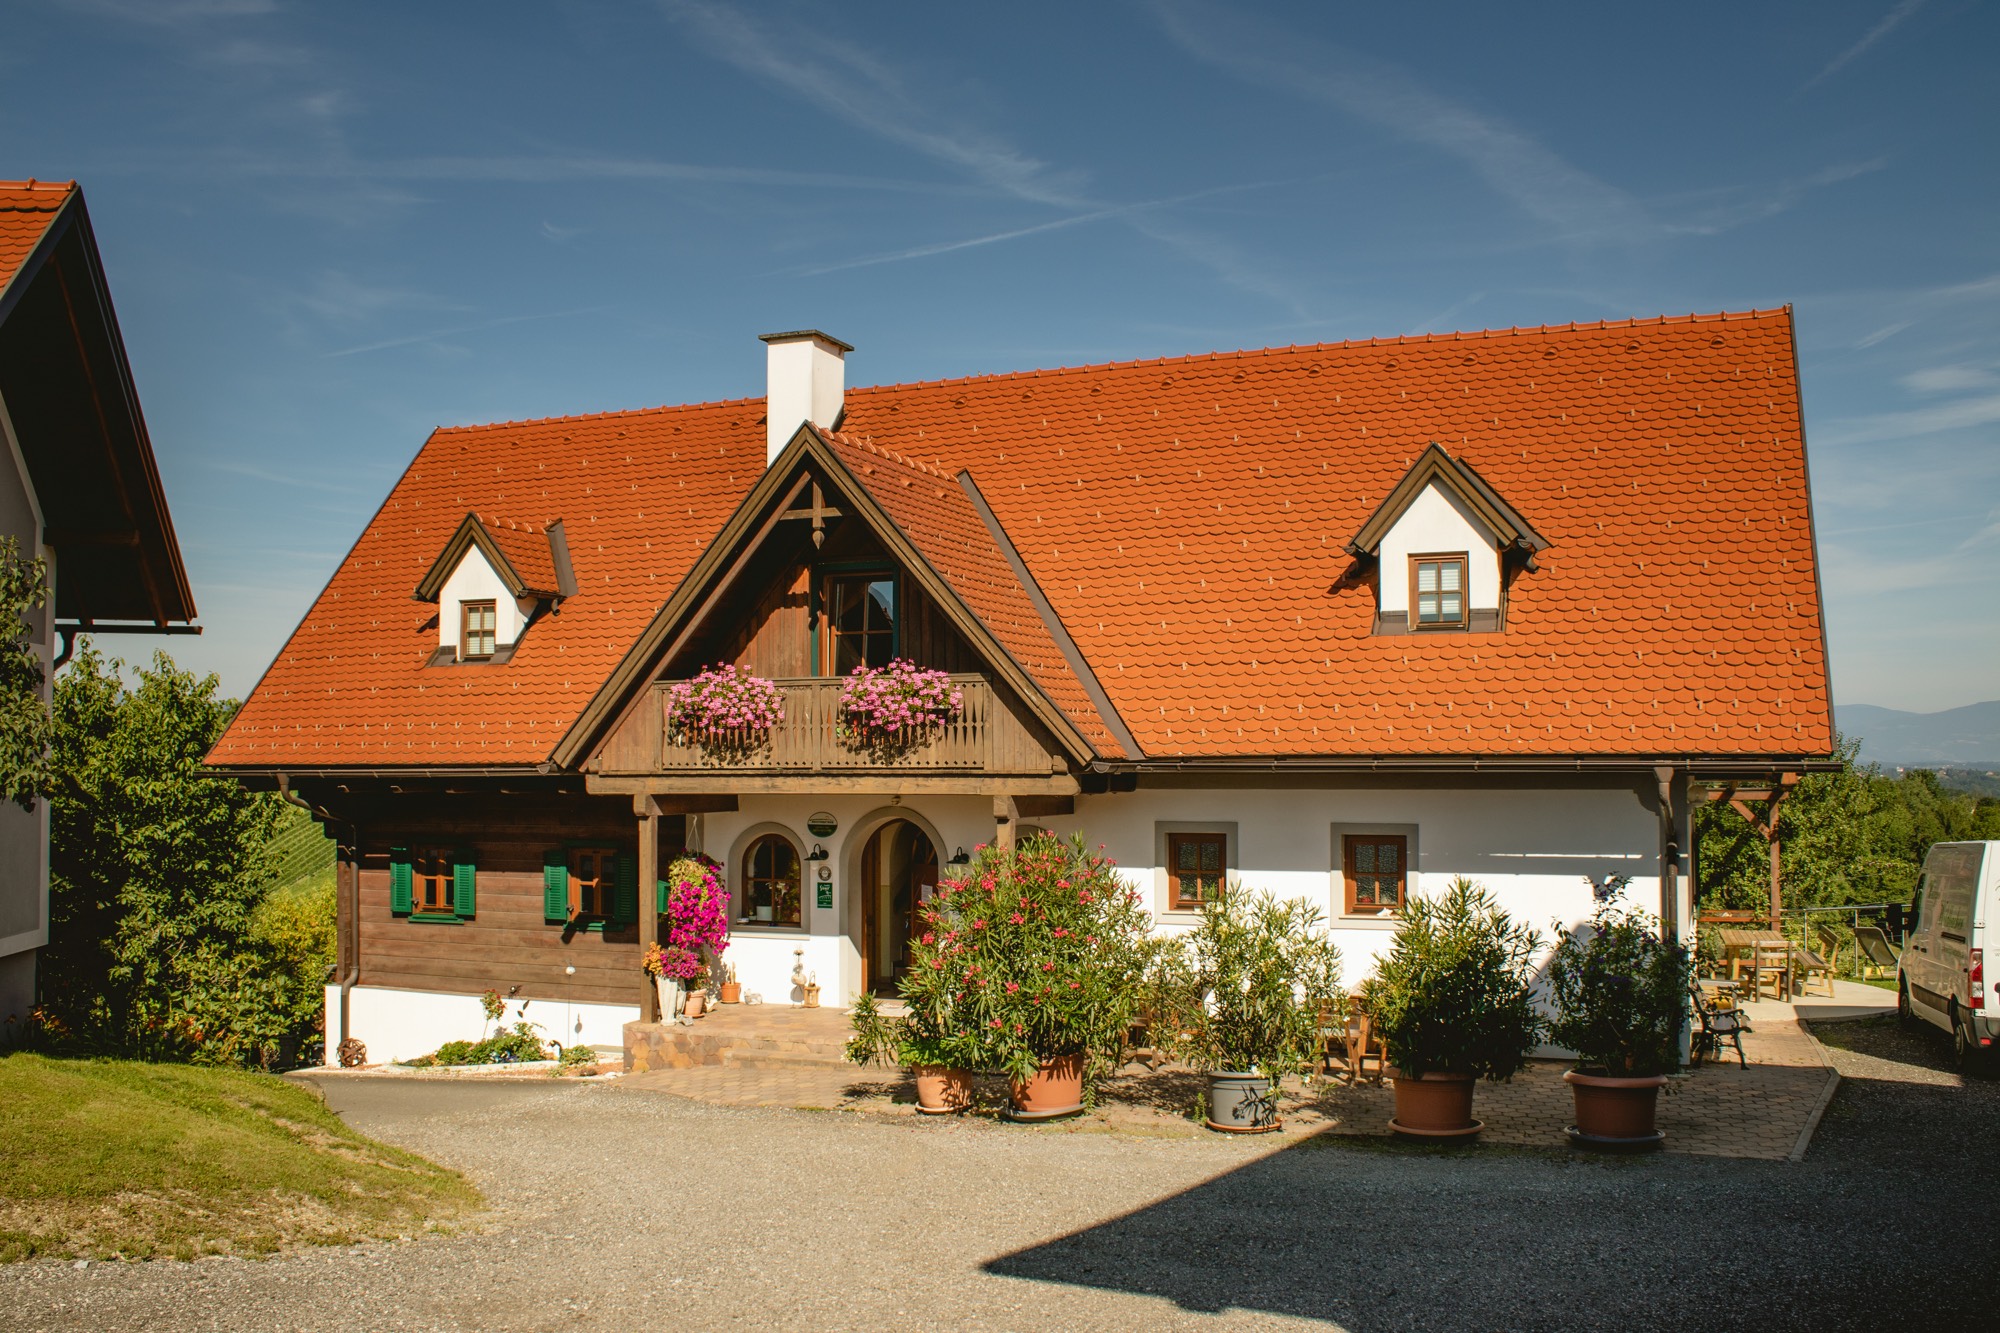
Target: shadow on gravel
[[1377, 1236]]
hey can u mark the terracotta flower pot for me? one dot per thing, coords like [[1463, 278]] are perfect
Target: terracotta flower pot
[[1055, 1090], [732, 992], [1617, 1113], [1242, 1103], [1434, 1106], [942, 1091], [695, 1005]]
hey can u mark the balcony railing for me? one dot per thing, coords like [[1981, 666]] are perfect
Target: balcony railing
[[986, 737]]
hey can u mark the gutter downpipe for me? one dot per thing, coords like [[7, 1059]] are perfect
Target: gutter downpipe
[[342, 884]]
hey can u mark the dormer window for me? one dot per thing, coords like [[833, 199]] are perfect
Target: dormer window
[[478, 624], [1441, 551], [491, 582], [1437, 591]]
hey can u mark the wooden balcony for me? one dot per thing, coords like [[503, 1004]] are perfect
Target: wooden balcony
[[985, 739]]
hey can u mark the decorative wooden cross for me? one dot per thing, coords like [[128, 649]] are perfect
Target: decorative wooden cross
[[820, 512]]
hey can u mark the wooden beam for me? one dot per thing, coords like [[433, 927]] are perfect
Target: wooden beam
[[668, 804], [1006, 818], [808, 784], [649, 910], [1034, 807]]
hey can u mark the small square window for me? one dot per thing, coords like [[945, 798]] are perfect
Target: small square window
[[478, 623], [593, 874], [1437, 592], [431, 881], [1375, 866], [1197, 864]]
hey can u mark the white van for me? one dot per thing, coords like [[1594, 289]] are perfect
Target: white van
[[1941, 978]]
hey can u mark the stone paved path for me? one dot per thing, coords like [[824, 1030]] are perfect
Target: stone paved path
[[1721, 1110]]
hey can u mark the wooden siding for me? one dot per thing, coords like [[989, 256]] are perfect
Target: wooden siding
[[506, 943]]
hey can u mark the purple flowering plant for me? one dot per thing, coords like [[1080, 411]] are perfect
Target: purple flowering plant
[[672, 961], [697, 905], [724, 708], [896, 704]]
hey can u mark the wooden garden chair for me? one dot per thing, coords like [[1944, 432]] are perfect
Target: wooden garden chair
[[1361, 1042], [1807, 964], [1773, 961], [1874, 956]]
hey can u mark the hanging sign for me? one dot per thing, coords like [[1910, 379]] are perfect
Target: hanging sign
[[821, 824], [824, 898]]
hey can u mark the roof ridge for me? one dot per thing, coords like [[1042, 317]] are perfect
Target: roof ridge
[[599, 416], [915, 464], [1394, 340]]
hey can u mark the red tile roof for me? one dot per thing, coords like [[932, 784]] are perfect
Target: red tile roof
[[639, 493], [1186, 519], [526, 546], [26, 209]]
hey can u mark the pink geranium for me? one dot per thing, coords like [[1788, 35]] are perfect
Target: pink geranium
[[896, 704]]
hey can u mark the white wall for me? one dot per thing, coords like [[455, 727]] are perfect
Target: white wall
[[475, 580], [404, 1024], [24, 834], [1533, 847], [1436, 523]]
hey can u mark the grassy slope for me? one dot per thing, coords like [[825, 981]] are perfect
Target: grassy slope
[[103, 1158]]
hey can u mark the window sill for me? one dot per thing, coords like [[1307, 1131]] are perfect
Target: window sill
[[438, 918], [753, 930], [1368, 920]]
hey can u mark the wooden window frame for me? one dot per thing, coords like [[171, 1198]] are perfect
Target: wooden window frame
[[747, 881], [1177, 901], [465, 610], [433, 883], [826, 647], [605, 883], [1463, 559], [1349, 875]]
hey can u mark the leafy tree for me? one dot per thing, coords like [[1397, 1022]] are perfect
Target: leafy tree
[[157, 872], [25, 725], [1855, 835]]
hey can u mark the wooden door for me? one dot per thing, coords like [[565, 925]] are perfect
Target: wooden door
[[923, 881], [869, 889]]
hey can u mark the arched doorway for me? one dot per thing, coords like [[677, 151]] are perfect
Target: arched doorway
[[899, 869]]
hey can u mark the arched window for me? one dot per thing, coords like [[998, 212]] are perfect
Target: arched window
[[771, 882]]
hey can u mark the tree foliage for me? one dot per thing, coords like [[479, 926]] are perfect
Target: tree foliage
[[1853, 836], [157, 873], [25, 724]]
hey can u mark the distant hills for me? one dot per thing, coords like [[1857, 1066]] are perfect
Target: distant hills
[[1957, 738]]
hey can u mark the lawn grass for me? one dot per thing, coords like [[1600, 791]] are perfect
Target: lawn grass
[[115, 1158]]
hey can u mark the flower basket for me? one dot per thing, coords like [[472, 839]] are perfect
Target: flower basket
[[894, 707], [724, 710]]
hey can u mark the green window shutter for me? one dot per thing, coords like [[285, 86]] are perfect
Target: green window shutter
[[463, 901], [625, 890], [401, 880], [555, 885]]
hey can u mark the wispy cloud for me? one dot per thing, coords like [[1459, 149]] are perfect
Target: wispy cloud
[[1883, 334], [865, 91], [1963, 414], [1718, 211], [1537, 180], [174, 13], [303, 481], [1951, 379], [435, 335], [1891, 21]]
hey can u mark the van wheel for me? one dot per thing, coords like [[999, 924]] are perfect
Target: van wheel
[[1904, 1014], [1965, 1048]]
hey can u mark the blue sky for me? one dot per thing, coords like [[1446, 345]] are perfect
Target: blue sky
[[330, 228]]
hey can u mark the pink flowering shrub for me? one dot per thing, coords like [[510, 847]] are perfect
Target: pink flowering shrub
[[894, 705], [673, 962], [1027, 956], [697, 905], [724, 708]]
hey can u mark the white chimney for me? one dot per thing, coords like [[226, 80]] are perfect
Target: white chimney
[[805, 380]]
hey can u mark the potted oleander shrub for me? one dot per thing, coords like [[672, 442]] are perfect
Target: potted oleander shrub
[[1454, 1003], [940, 1059], [1264, 977], [1619, 993], [1039, 952]]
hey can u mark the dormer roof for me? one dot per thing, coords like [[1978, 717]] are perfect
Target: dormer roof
[[1435, 466], [531, 559]]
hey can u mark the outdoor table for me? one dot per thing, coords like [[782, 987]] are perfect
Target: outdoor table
[[1740, 943]]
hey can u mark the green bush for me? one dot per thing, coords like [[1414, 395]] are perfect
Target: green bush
[[1621, 995], [1260, 973], [1455, 993], [522, 1044]]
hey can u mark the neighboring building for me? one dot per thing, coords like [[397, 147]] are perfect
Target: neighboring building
[[1339, 621], [79, 488]]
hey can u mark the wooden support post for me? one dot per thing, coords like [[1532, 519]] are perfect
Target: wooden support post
[[1670, 853], [1005, 817], [649, 908]]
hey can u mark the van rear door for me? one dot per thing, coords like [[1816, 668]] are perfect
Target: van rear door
[[1957, 867]]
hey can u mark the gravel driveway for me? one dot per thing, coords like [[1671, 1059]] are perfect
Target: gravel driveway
[[617, 1209]]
